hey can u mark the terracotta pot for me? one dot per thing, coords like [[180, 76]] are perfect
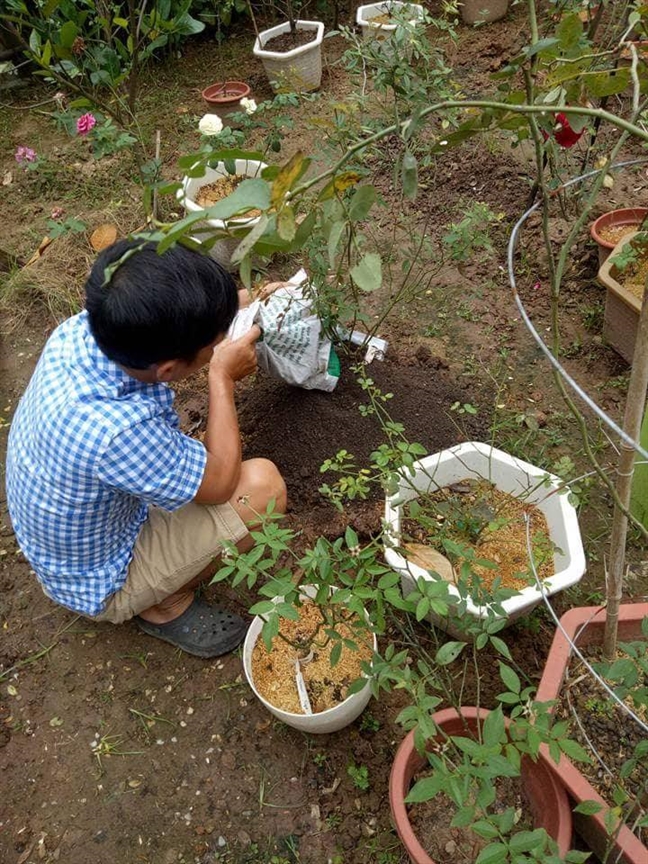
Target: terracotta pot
[[622, 307], [585, 626], [614, 219], [483, 11], [548, 802], [224, 97]]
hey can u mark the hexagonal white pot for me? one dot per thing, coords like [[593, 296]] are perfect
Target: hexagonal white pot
[[366, 13], [332, 719], [300, 69], [223, 249], [481, 461]]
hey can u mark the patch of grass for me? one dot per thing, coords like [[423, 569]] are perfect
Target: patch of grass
[[369, 723], [593, 317], [54, 282], [518, 433], [385, 848]]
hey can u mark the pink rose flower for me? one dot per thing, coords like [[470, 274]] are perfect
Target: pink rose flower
[[24, 154], [85, 123]]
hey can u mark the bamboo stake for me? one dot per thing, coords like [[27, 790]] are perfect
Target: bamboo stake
[[254, 23], [632, 420], [154, 206]]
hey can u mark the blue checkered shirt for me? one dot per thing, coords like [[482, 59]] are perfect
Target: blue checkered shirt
[[90, 449]]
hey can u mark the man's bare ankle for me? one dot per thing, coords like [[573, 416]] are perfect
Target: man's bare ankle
[[169, 609]]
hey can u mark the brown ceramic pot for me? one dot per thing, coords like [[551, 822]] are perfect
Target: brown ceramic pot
[[224, 97], [548, 801], [629, 216], [585, 626]]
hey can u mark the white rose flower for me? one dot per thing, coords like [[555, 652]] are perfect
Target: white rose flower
[[210, 124], [248, 105]]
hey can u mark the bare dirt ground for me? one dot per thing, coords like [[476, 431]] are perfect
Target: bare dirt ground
[[113, 746]]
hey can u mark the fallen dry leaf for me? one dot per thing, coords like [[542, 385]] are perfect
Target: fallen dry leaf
[[331, 789], [430, 559], [45, 242], [7, 178], [25, 855], [103, 236]]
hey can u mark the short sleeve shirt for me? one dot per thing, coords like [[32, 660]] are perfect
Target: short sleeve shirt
[[90, 449]]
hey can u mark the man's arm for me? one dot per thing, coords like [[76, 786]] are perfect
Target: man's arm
[[245, 297], [231, 362]]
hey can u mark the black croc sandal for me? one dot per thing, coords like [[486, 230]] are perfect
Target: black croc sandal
[[203, 630]]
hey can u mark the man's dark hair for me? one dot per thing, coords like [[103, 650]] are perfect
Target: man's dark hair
[[152, 307]]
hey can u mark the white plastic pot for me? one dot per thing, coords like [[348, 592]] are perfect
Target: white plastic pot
[[483, 11], [380, 32], [330, 720], [237, 227], [511, 475], [298, 70]]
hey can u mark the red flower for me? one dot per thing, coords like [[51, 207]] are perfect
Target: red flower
[[563, 133]]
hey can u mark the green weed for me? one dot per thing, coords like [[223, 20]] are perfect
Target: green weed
[[360, 776]]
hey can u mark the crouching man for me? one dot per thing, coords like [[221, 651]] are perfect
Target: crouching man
[[120, 514]]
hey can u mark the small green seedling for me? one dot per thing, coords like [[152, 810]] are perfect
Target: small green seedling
[[360, 776]]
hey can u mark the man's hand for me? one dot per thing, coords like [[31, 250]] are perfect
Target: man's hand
[[262, 293], [266, 290], [235, 359]]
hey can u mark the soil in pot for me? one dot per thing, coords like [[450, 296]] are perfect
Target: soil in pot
[[210, 193], [326, 684], [285, 42], [430, 821], [612, 733], [633, 276], [613, 233], [382, 20], [475, 514]]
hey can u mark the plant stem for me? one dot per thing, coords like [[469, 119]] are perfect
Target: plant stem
[[619, 122]]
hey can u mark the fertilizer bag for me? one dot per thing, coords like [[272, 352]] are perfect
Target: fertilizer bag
[[291, 346]]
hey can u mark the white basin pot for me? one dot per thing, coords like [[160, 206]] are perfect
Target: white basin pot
[[234, 228], [481, 461], [483, 11], [370, 30], [298, 70], [331, 720]]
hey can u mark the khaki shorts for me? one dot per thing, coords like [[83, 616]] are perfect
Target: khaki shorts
[[170, 550]]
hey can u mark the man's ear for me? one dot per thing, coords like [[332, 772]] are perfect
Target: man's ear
[[166, 371]]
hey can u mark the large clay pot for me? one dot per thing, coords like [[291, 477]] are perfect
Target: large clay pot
[[547, 800], [622, 306], [630, 217], [583, 626]]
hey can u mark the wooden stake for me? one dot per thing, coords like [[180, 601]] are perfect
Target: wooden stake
[[154, 205], [254, 23], [634, 410]]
